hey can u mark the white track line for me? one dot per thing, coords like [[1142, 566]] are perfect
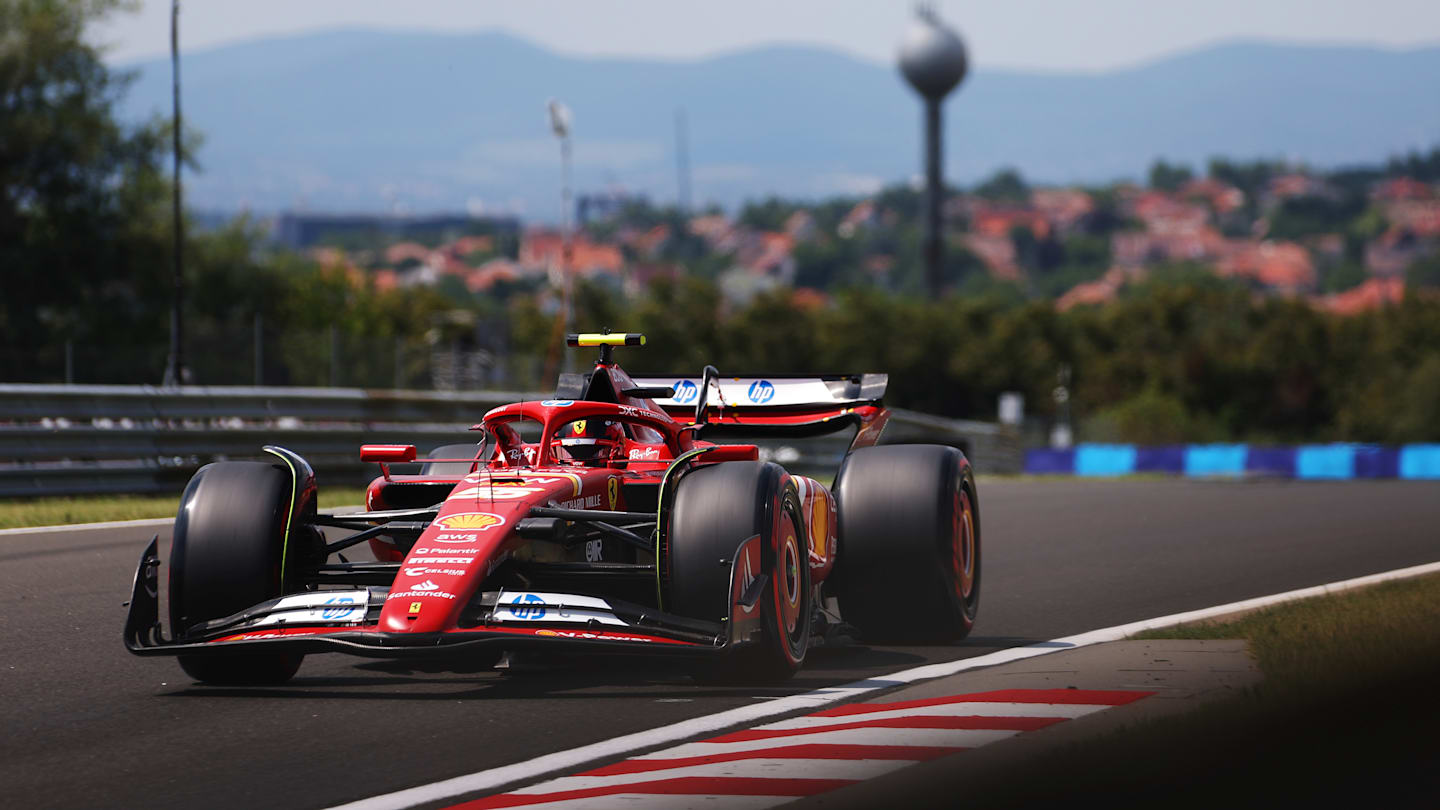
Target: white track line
[[757, 768], [80, 527], [1066, 710], [618, 747], [880, 735]]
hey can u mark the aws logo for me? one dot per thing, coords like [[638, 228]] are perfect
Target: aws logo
[[471, 521]]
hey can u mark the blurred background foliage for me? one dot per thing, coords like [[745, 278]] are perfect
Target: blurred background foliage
[[85, 256]]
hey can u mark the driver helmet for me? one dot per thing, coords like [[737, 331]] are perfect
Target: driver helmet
[[592, 442]]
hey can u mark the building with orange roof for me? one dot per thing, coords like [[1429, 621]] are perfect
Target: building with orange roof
[[1001, 220], [1064, 208], [1403, 188], [1089, 293], [997, 253], [1282, 266], [808, 298], [1373, 294], [543, 249], [401, 252], [1221, 196], [467, 245], [384, 280], [486, 276], [861, 216], [1419, 216]]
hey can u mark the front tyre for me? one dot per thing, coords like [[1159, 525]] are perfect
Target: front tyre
[[908, 566], [717, 508], [227, 554]]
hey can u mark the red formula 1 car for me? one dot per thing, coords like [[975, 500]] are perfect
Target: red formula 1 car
[[602, 519]]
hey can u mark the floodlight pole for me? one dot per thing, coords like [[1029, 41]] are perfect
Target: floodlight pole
[[175, 372]]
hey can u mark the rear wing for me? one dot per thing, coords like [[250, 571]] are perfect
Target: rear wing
[[775, 404]]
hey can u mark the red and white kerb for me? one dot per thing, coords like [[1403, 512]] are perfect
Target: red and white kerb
[[780, 762]]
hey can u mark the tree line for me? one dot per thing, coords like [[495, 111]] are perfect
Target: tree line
[[85, 257]]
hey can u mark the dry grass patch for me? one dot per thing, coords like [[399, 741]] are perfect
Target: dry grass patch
[[27, 512]]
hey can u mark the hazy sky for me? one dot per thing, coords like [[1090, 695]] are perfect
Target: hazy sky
[[1027, 34]]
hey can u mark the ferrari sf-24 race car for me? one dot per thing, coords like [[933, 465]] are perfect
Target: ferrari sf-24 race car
[[602, 520]]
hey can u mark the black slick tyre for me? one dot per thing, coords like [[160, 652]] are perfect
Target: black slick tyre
[[226, 555], [908, 566], [717, 509]]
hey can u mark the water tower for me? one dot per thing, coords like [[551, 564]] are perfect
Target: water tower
[[932, 57]]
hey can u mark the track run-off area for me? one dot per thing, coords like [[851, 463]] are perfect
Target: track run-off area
[[88, 724]]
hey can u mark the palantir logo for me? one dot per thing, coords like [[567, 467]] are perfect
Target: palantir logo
[[338, 607], [761, 392], [686, 391], [527, 606]]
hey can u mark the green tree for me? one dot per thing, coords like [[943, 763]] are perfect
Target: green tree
[[1005, 185], [1169, 176], [79, 235], [1424, 273]]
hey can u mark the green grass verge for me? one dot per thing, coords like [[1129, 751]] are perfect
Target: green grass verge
[[64, 511], [1345, 717]]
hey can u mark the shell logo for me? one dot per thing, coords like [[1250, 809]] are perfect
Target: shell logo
[[546, 633], [470, 520]]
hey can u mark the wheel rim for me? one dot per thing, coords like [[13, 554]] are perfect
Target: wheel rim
[[963, 557], [788, 582]]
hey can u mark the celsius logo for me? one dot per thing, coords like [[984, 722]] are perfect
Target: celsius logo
[[761, 392], [527, 606], [338, 607], [686, 391], [557, 403]]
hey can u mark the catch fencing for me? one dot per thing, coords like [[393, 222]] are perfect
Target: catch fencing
[[111, 439]]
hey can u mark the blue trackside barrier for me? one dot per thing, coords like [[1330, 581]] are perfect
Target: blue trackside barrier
[[1319, 462], [1419, 461]]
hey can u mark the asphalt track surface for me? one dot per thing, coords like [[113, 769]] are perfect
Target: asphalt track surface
[[86, 724]]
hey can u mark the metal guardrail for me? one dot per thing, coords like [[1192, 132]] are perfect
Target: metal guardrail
[[93, 439]]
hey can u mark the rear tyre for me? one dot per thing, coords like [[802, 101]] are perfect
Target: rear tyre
[[908, 566], [716, 510], [226, 555]]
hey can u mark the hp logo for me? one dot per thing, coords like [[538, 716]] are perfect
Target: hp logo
[[337, 607], [761, 392], [686, 391], [528, 606]]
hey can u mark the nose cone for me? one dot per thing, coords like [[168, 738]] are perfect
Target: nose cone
[[932, 57]]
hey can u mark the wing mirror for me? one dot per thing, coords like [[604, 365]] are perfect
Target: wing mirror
[[387, 454]]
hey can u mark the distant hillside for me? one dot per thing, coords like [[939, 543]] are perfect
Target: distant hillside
[[360, 120]]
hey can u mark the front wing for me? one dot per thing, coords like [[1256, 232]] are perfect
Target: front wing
[[344, 621]]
